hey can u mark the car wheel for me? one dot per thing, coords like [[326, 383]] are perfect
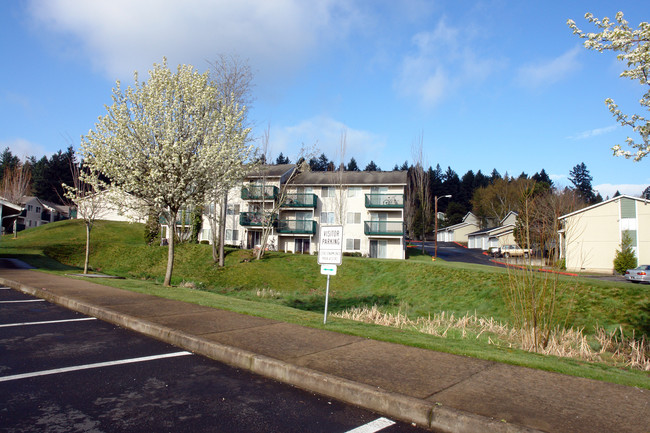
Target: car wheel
[[506, 255]]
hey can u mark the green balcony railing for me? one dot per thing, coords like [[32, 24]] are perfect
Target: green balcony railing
[[257, 219], [299, 200], [254, 192], [303, 227], [383, 228], [181, 219], [385, 200]]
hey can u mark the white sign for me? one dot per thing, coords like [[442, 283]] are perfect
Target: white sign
[[331, 245], [328, 269]]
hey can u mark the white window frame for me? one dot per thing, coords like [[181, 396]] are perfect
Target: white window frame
[[353, 218], [328, 191], [356, 244], [354, 191], [327, 217]]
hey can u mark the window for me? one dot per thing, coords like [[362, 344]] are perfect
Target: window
[[232, 235], [205, 234], [232, 209], [353, 218], [327, 218], [38, 209], [30, 207], [354, 191], [353, 244], [327, 191]]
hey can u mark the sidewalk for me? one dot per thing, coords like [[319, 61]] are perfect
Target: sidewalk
[[436, 390]]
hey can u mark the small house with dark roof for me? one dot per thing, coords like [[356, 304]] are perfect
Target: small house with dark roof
[[494, 237]]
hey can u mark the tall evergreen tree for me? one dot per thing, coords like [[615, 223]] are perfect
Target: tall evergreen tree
[[405, 166], [282, 159], [8, 161], [646, 193], [451, 184], [466, 189], [319, 164], [494, 175], [352, 165], [372, 167], [480, 180], [581, 180], [542, 177]]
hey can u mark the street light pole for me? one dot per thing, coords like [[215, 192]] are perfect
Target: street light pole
[[435, 237]]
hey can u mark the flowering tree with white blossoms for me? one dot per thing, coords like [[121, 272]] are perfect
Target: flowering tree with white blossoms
[[163, 139], [633, 47]]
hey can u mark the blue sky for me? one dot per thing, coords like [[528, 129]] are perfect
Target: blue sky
[[483, 84]]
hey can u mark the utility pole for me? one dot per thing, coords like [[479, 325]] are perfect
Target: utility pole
[[435, 215]]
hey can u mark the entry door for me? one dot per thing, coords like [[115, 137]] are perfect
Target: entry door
[[301, 245], [254, 238], [378, 249]]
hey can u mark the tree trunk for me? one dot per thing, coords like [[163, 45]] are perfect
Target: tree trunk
[[222, 230], [87, 248], [213, 231], [170, 253]]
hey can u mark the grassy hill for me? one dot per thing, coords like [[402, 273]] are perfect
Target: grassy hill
[[290, 287]]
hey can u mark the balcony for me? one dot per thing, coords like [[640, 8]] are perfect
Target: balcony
[[297, 200], [181, 220], [383, 228], [385, 201], [303, 227], [254, 219], [45, 216], [254, 192]]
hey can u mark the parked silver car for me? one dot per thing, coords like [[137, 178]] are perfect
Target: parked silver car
[[640, 274]]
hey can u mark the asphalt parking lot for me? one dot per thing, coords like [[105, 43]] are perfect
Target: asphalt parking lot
[[62, 371]]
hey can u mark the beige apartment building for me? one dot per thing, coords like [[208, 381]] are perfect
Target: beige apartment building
[[369, 206], [590, 237]]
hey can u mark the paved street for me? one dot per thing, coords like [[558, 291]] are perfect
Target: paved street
[[63, 371], [452, 252]]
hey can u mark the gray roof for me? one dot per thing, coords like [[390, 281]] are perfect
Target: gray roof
[[270, 170], [351, 178]]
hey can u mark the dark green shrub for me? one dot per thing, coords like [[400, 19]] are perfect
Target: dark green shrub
[[625, 258]]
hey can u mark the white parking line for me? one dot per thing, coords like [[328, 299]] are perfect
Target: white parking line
[[26, 300], [8, 325], [89, 366], [374, 426]]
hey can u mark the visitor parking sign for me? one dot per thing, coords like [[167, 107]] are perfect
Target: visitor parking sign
[[331, 245]]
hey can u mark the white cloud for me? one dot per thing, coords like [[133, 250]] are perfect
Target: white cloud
[[325, 133], [592, 133], [24, 148], [120, 36], [442, 62], [543, 74], [608, 189]]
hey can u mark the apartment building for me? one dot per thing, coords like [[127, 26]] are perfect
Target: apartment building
[[369, 206]]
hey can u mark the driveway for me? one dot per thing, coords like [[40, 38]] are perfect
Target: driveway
[[452, 252]]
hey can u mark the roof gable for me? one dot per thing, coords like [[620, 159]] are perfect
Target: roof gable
[[602, 203]]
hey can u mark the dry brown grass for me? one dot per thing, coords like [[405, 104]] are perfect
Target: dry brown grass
[[615, 348]]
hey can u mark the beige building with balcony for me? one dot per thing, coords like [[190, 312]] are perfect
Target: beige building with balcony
[[590, 237], [369, 206]]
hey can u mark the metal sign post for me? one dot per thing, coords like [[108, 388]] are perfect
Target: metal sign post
[[330, 256]]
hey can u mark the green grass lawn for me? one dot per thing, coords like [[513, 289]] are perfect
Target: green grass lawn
[[290, 287]]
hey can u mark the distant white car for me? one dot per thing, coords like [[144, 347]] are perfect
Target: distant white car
[[640, 274], [514, 251]]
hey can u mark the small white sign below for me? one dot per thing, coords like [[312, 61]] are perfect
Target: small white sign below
[[328, 269]]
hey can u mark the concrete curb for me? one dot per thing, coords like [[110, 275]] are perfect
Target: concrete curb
[[409, 409]]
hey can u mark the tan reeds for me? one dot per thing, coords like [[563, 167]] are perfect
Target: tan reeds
[[568, 343]]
